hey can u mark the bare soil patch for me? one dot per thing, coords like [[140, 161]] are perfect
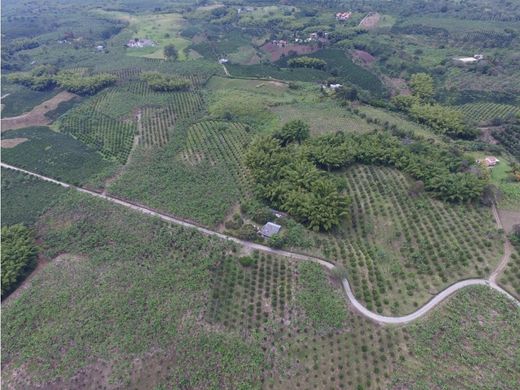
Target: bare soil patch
[[487, 136], [36, 117], [397, 86], [508, 219], [277, 52], [363, 56], [12, 142], [370, 21]]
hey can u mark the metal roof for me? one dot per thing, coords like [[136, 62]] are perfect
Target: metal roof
[[270, 229]]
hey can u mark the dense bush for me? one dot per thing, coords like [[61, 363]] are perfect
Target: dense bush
[[247, 261], [84, 85], [18, 255], [306, 62], [291, 183], [159, 82]]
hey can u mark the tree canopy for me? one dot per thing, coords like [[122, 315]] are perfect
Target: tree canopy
[[170, 52], [292, 131], [18, 255], [164, 83]]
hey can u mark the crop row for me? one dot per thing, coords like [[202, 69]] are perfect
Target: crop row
[[482, 112], [220, 142], [510, 139]]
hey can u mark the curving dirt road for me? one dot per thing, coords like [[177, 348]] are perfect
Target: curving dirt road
[[297, 256]]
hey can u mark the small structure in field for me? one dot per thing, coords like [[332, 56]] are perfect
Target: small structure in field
[[279, 42], [489, 161], [100, 47], [343, 16], [223, 61], [140, 42], [468, 60], [270, 229]]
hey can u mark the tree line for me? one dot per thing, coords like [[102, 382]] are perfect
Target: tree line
[[293, 172], [163, 83], [45, 77]]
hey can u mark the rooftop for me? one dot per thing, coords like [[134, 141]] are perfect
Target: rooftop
[[270, 229]]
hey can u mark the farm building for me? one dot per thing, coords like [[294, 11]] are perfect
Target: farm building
[[489, 161], [223, 61], [279, 43], [270, 229], [468, 60], [138, 42], [342, 16]]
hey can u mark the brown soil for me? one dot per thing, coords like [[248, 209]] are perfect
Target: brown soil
[[12, 142], [486, 135], [508, 219], [36, 117], [276, 51], [370, 21], [397, 86], [365, 57]]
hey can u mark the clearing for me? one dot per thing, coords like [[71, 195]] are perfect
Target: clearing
[[370, 21], [36, 117]]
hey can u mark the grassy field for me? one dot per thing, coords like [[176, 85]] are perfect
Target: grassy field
[[57, 155], [25, 198], [323, 117], [163, 29], [471, 342]]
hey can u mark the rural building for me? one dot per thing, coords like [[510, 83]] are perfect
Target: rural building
[[270, 229], [468, 60], [223, 61], [342, 16], [100, 47], [489, 161], [138, 42]]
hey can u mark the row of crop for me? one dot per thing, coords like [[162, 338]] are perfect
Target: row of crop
[[510, 139], [399, 245], [111, 137], [220, 142], [483, 112]]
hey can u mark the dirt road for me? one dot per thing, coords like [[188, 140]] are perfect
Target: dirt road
[[292, 255]]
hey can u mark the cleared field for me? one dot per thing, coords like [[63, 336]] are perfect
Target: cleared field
[[37, 116], [484, 112], [25, 198], [325, 117], [56, 155], [21, 99]]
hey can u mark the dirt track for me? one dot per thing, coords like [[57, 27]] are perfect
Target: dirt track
[[36, 117], [297, 256]]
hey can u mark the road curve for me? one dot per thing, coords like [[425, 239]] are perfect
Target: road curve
[[292, 255]]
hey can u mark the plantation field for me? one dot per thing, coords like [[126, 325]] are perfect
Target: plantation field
[[509, 138], [119, 293], [57, 155], [458, 25], [270, 71], [109, 121], [192, 183], [484, 112], [380, 116], [25, 198], [399, 250], [476, 331], [510, 279]]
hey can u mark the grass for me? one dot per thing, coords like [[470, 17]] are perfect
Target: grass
[[322, 117], [56, 155], [25, 198], [163, 29], [471, 342]]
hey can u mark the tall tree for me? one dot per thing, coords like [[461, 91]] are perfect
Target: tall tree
[[171, 52]]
